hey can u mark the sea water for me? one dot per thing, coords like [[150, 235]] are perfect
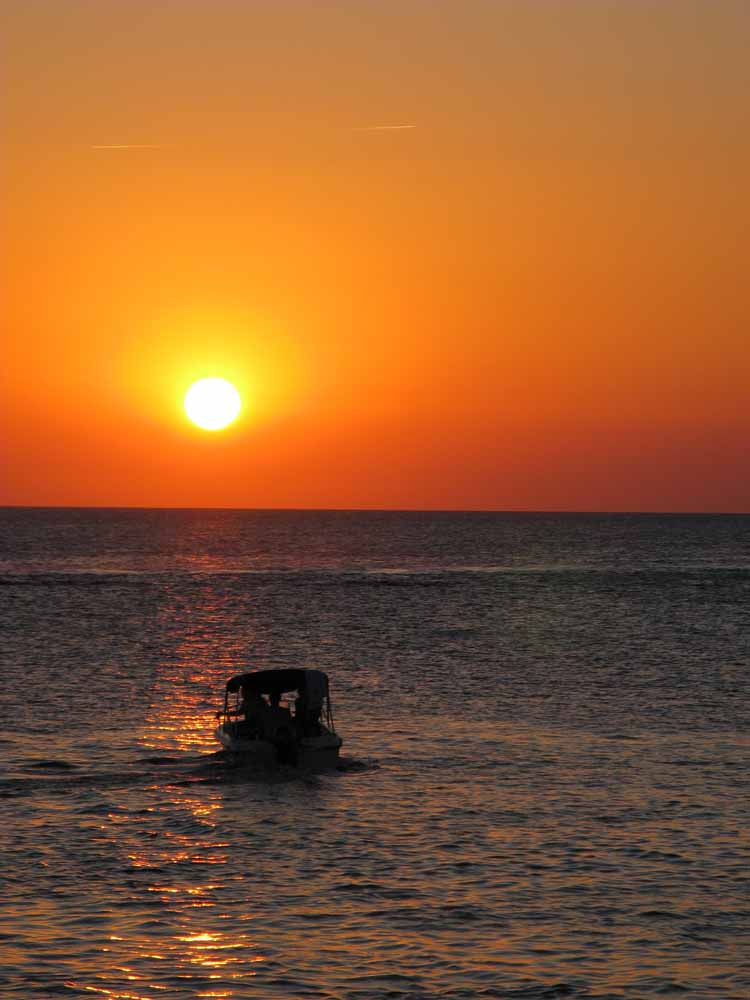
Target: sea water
[[543, 791]]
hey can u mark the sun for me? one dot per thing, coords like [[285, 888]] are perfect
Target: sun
[[212, 403]]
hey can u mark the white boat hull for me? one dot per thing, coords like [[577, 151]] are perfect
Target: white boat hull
[[310, 753]]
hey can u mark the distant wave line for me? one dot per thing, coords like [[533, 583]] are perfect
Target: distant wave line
[[374, 575]]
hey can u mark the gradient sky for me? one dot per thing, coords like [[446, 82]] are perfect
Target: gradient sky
[[534, 298]]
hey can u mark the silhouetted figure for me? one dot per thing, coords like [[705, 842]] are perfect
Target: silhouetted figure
[[277, 719], [279, 729], [254, 709], [303, 716], [309, 707]]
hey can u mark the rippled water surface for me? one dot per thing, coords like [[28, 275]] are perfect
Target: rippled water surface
[[544, 788]]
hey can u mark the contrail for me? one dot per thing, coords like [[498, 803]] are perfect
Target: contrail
[[144, 145], [382, 128]]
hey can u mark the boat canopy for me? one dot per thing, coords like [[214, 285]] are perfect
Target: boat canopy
[[279, 681]]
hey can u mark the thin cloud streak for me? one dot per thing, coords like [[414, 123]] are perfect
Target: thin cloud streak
[[144, 145], [382, 128]]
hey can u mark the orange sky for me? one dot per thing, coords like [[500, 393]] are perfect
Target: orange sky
[[534, 298]]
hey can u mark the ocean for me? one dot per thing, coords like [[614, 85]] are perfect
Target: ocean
[[544, 785]]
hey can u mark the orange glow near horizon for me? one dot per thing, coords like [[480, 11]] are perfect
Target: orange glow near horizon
[[532, 298]]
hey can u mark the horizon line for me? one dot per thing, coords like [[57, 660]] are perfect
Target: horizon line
[[386, 510]]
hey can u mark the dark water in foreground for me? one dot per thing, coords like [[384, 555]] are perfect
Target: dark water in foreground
[[545, 786]]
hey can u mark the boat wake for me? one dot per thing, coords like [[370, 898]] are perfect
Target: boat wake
[[63, 778]]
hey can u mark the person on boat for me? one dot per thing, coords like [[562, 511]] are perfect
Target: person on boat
[[278, 719], [305, 717], [254, 709], [279, 729], [309, 705]]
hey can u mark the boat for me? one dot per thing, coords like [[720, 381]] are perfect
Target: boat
[[280, 716]]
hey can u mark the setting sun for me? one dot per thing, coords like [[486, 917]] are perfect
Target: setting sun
[[212, 403]]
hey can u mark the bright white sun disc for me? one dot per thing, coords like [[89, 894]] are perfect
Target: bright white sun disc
[[212, 403]]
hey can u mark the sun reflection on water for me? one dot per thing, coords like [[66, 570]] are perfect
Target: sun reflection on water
[[177, 859], [180, 726], [217, 954], [204, 650]]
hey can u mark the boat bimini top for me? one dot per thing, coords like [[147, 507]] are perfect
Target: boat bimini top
[[311, 687], [280, 682]]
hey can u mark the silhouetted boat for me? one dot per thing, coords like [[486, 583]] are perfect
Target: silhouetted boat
[[254, 720]]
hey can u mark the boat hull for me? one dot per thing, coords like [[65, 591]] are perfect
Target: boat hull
[[260, 750], [316, 753]]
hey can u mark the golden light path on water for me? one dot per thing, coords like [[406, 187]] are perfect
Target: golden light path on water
[[180, 718], [224, 955]]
